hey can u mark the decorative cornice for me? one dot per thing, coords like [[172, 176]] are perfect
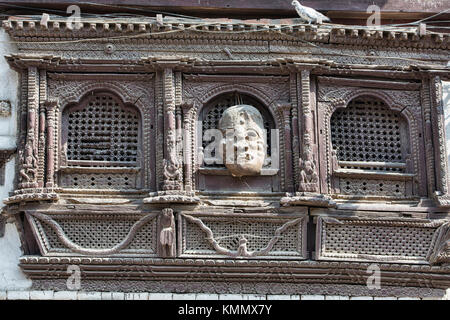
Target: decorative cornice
[[23, 61], [370, 83], [161, 63], [265, 272], [91, 29]]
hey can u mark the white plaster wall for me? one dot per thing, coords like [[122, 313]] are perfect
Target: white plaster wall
[[11, 277]]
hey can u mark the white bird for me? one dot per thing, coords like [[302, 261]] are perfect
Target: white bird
[[309, 14]]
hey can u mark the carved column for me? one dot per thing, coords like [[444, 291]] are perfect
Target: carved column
[[28, 158], [285, 111], [41, 146], [166, 240], [169, 126], [51, 106], [41, 141], [429, 152], [172, 164], [439, 133], [295, 127], [308, 164], [186, 108], [440, 152]]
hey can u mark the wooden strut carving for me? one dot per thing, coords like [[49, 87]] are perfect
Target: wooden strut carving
[[28, 158], [78, 249], [167, 234], [242, 250], [309, 179], [172, 169], [440, 252]]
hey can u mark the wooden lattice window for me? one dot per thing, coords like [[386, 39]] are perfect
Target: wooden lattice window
[[103, 129], [368, 135], [101, 136]]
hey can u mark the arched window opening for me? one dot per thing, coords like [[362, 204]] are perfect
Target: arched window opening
[[368, 135], [101, 137], [103, 129], [214, 110]]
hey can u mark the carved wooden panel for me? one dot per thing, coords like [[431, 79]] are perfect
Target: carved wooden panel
[[105, 125], [212, 113], [368, 131], [102, 129], [263, 92], [384, 240], [95, 234], [244, 236], [372, 144]]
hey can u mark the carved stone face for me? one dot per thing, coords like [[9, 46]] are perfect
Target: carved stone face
[[243, 130]]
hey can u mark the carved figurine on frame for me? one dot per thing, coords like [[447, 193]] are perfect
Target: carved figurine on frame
[[167, 234]]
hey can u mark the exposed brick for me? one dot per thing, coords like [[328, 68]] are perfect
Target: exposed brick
[[254, 297], [89, 295], [18, 295], [141, 296], [312, 297], [337, 298], [65, 295], [206, 296], [278, 297], [118, 295], [361, 298], [432, 298], [107, 296], [41, 295], [230, 297], [160, 296], [186, 296], [136, 296]]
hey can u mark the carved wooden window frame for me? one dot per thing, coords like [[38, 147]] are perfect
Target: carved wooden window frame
[[132, 90], [267, 117], [341, 99], [96, 168], [200, 89], [266, 112]]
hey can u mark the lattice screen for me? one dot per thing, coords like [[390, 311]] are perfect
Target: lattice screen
[[97, 232], [368, 131], [103, 130]]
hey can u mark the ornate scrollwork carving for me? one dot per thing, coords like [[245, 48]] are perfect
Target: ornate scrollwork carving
[[440, 252], [242, 250]]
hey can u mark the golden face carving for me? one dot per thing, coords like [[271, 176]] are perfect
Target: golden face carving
[[244, 142]]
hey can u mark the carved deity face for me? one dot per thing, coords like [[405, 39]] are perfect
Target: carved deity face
[[244, 143]]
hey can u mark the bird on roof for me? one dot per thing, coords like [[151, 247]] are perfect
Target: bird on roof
[[309, 14]]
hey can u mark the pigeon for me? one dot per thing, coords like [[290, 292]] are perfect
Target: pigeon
[[309, 14]]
